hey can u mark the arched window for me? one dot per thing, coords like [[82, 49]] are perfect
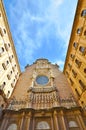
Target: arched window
[[72, 124], [42, 125], [12, 127]]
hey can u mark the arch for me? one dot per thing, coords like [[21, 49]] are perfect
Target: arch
[[73, 124], [12, 126], [42, 125]]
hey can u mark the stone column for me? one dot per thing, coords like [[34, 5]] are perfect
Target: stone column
[[22, 121], [28, 118], [30, 100], [33, 125], [79, 123], [32, 82], [4, 122], [82, 123], [52, 81], [63, 120], [56, 126], [52, 127]]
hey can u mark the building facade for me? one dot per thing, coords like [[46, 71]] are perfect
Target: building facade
[[42, 97], [9, 66], [43, 100], [75, 64]]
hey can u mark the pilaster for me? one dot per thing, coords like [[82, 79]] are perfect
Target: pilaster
[[56, 126], [28, 118], [63, 120], [4, 122]]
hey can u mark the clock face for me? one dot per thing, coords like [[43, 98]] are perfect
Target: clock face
[[42, 80]]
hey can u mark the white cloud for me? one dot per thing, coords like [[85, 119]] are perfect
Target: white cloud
[[37, 19], [27, 15], [60, 63]]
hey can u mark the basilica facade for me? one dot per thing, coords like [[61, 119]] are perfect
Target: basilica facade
[[43, 100]]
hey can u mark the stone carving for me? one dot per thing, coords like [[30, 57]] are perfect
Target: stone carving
[[43, 99], [43, 125], [73, 124], [12, 127]]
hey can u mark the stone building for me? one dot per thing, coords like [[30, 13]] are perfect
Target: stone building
[[43, 100], [42, 97], [75, 64], [9, 66]]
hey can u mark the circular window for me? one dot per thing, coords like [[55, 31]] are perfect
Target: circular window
[[42, 80]]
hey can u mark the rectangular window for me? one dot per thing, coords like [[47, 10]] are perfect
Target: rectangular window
[[83, 13], [74, 73], [67, 74], [8, 93], [75, 44], [4, 66], [8, 76], [82, 49], [78, 63], [72, 56], [2, 85], [83, 86], [69, 65], [1, 32], [71, 81], [79, 31], [13, 83], [1, 50], [6, 47], [4, 30], [77, 93], [10, 59]]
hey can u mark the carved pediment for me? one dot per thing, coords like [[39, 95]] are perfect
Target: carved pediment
[[42, 63]]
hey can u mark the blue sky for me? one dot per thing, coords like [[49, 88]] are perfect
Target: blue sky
[[40, 29]]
